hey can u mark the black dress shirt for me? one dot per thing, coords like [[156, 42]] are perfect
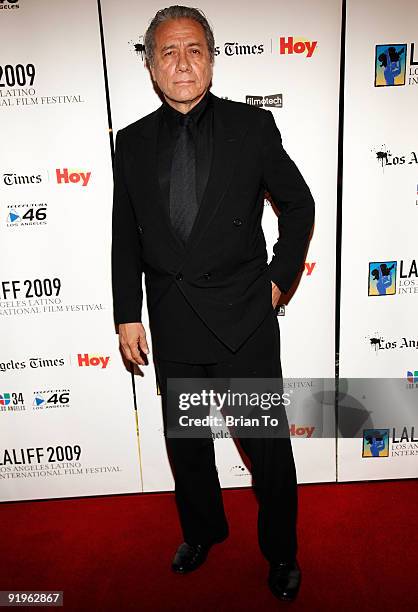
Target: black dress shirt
[[202, 132]]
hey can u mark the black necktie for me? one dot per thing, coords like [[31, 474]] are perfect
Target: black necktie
[[183, 200]]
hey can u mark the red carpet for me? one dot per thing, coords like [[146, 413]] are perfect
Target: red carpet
[[358, 551]]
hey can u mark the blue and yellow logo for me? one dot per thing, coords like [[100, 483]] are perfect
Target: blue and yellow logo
[[382, 277], [390, 65], [375, 443]]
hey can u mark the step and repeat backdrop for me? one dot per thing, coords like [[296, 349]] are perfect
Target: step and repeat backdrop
[[379, 274], [73, 421], [264, 56], [67, 421]]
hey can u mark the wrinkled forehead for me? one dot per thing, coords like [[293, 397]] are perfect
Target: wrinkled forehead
[[176, 32]]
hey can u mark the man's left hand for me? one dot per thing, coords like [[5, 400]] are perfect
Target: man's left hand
[[275, 294]]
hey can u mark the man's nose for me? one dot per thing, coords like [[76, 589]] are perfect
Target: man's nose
[[183, 63]]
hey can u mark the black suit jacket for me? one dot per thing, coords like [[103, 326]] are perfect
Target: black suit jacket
[[222, 271]]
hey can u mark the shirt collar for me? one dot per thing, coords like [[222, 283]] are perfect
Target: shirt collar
[[172, 115]]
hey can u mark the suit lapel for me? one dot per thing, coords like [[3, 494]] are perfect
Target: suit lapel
[[228, 134], [151, 173]]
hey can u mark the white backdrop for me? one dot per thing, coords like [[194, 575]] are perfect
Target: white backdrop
[[379, 337], [67, 416], [308, 120], [55, 300]]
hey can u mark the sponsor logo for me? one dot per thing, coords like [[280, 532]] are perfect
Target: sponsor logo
[[72, 176], [271, 101], [391, 277], [392, 67], [281, 310], [301, 431], [386, 159], [139, 47], [12, 179], [375, 443], [236, 48], [291, 45], [9, 4], [239, 470], [308, 267], [12, 402], [378, 343], [34, 213], [412, 377], [34, 363], [51, 398], [382, 278], [87, 360]]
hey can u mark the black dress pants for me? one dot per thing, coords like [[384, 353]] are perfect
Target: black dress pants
[[197, 489]]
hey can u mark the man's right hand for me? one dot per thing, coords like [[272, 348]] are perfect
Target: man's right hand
[[130, 336]]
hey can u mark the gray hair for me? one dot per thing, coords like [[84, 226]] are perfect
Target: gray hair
[[177, 12]]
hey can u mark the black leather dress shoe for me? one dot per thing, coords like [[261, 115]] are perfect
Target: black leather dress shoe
[[284, 579], [189, 557]]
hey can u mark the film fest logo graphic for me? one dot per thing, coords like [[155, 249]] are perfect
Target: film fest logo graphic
[[391, 65], [375, 443], [393, 277], [9, 4], [271, 101], [382, 278]]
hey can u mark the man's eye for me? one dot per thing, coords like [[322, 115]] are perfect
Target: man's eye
[[168, 53], [195, 51]]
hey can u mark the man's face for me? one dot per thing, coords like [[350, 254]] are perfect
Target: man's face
[[182, 68]]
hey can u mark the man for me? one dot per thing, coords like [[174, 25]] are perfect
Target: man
[[190, 180]]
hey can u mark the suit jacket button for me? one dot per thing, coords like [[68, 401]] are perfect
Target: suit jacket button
[[140, 228], [237, 222], [206, 275], [179, 276]]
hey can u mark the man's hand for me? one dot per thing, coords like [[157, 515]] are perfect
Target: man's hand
[[275, 294], [130, 335]]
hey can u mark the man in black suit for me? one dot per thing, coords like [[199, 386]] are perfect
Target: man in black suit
[[190, 181]]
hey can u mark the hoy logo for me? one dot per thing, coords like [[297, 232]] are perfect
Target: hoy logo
[[66, 176], [92, 360], [300, 46]]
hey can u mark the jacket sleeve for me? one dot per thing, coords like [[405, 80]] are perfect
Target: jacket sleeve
[[126, 249], [289, 190]]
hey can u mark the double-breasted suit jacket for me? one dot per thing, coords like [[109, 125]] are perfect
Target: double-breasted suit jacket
[[222, 271]]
